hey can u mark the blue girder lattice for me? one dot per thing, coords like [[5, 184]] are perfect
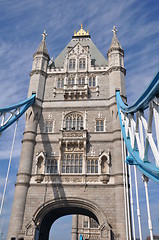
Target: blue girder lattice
[[12, 113], [137, 132]]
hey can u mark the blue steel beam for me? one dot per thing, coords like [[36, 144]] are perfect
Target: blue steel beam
[[143, 101], [15, 111], [147, 168]]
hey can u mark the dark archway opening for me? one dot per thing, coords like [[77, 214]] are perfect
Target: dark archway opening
[[53, 215]]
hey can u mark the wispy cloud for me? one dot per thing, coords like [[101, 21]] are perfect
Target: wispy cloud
[[22, 23]]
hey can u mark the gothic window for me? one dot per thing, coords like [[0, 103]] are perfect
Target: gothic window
[[81, 80], [85, 224], [93, 223], [72, 63], [60, 83], [51, 166], [71, 81], [92, 81], [74, 121], [92, 166], [99, 125], [82, 63], [48, 126], [72, 163]]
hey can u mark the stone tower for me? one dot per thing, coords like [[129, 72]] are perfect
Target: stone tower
[[71, 153]]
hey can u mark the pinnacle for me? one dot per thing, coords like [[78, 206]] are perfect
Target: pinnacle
[[42, 47], [115, 42]]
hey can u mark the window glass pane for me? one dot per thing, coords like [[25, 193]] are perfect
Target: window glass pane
[[74, 64], [90, 82], [92, 168], [102, 126], [83, 80], [50, 126], [97, 125], [62, 83], [74, 122], [96, 166], [70, 122], [69, 81], [81, 122], [94, 82], [73, 164], [80, 64], [78, 123], [79, 81], [58, 83], [84, 64], [70, 64], [85, 224]]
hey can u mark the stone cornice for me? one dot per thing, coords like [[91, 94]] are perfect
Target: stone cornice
[[114, 49], [41, 72], [117, 68]]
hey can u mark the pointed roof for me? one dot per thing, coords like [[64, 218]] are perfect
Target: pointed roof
[[115, 42], [42, 47], [84, 39]]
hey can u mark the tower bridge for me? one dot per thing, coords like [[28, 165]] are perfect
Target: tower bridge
[[79, 142]]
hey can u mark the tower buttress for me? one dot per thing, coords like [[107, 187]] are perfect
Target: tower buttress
[[117, 71]]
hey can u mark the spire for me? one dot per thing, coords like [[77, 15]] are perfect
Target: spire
[[42, 47], [115, 42]]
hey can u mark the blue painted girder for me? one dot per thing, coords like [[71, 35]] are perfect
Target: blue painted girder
[[22, 106], [147, 168]]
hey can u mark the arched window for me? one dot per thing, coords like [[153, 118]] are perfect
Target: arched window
[[72, 63], [82, 63], [81, 80], [99, 125], [51, 166], [47, 126], [92, 81], [71, 80], [92, 166], [60, 83], [74, 121]]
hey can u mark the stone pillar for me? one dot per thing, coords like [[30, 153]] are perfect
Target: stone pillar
[[23, 176], [75, 227]]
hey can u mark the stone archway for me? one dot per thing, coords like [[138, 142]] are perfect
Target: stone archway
[[46, 215]]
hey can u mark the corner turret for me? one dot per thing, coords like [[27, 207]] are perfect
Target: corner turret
[[117, 71], [39, 69]]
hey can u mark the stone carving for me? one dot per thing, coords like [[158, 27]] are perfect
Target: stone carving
[[99, 115], [92, 152], [29, 231], [72, 134]]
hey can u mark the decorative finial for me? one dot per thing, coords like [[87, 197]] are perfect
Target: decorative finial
[[44, 35], [114, 31], [81, 32]]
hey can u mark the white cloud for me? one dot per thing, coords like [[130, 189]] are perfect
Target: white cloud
[[23, 22]]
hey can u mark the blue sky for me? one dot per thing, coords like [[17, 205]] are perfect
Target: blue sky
[[21, 25]]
